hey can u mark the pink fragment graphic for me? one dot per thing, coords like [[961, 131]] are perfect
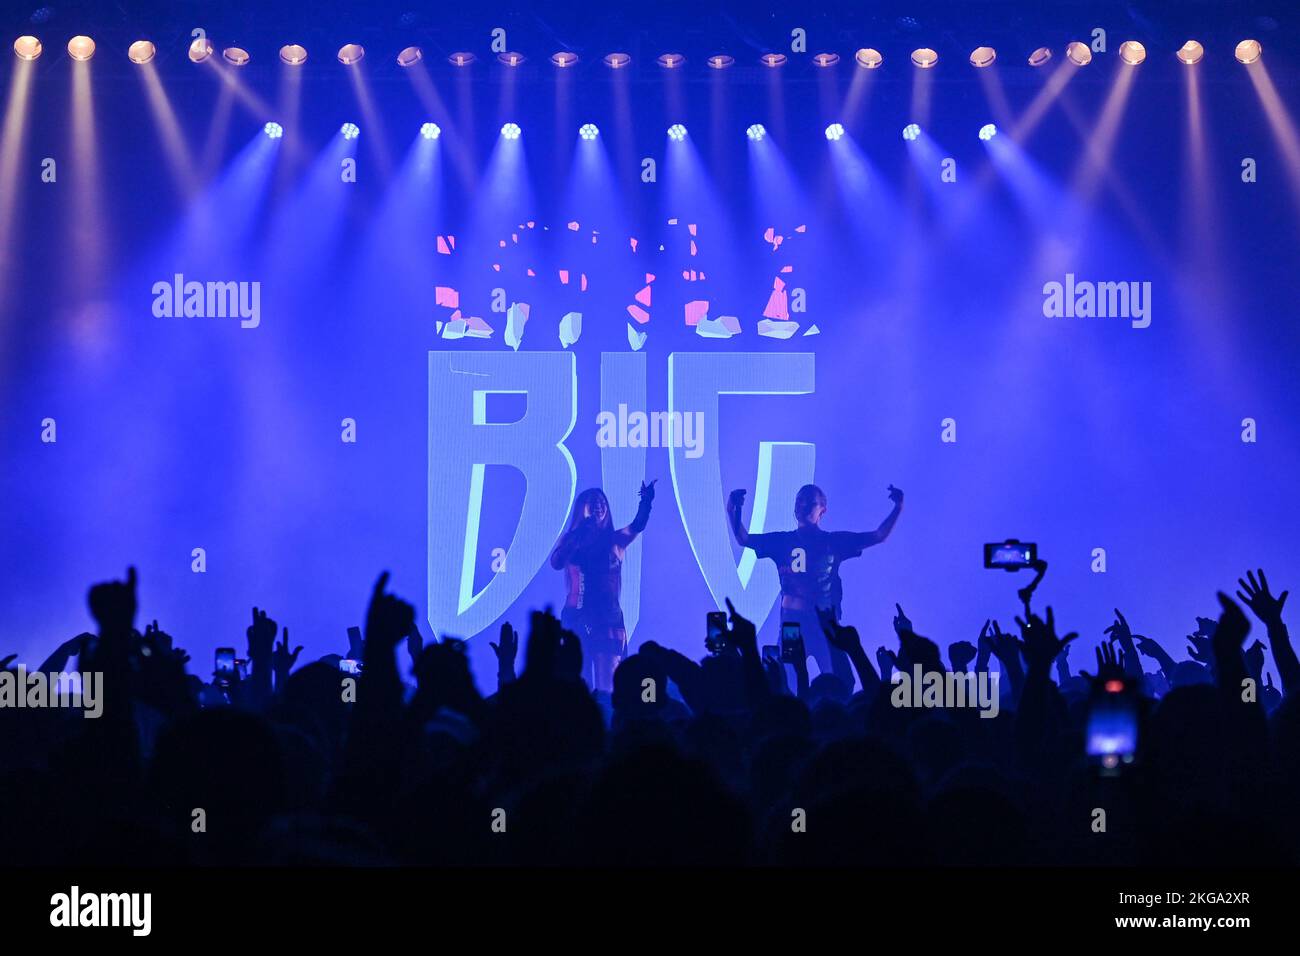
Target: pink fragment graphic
[[444, 247], [564, 277], [644, 297], [691, 228], [632, 239], [447, 296], [787, 268], [574, 225], [694, 249], [638, 313], [801, 228], [696, 310], [583, 286], [649, 277]]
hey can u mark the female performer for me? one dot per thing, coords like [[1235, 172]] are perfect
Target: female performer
[[590, 554]]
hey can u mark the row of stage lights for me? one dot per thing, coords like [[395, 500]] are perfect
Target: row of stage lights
[[143, 51], [589, 131]]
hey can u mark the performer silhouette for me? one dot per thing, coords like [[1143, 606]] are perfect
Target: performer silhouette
[[590, 554], [808, 560]]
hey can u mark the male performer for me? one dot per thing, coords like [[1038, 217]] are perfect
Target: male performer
[[808, 560]]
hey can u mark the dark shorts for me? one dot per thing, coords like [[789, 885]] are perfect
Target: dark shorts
[[600, 633]]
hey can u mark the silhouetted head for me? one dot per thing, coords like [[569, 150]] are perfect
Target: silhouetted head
[[592, 503], [809, 505]]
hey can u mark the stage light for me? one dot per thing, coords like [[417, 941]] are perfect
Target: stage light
[[410, 56], [670, 61], [511, 131], [911, 131], [677, 132], [430, 131], [510, 58], [1248, 51], [588, 131], [868, 58], [1040, 56], [350, 130], [564, 58], [826, 59], [983, 56], [293, 54], [461, 59], [27, 48], [834, 132], [773, 59], [1132, 52], [756, 132], [350, 53], [273, 130], [82, 48], [1078, 53], [988, 131], [201, 49], [141, 51], [235, 55], [616, 61], [720, 61], [1191, 53], [924, 58]]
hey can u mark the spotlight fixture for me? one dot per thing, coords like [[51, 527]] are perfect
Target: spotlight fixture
[[677, 132], [826, 59], [82, 48], [1132, 52], [461, 59], [1040, 56], [1078, 53], [834, 132], [616, 61], [924, 58], [911, 131], [588, 131], [430, 131], [1191, 53], [756, 132], [350, 130], [201, 49], [670, 61], [410, 56], [511, 131], [1248, 51], [27, 48], [720, 61], [236, 56], [510, 58], [988, 131], [141, 51], [564, 58], [273, 130], [293, 54], [868, 58], [350, 53], [773, 59], [983, 56]]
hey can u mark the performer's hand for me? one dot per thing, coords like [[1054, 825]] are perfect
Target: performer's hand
[[895, 495], [647, 492], [736, 500]]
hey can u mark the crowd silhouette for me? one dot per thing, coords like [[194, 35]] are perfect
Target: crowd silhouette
[[733, 759]]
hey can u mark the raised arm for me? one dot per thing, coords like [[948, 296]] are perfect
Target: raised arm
[[735, 517], [866, 539], [626, 536]]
